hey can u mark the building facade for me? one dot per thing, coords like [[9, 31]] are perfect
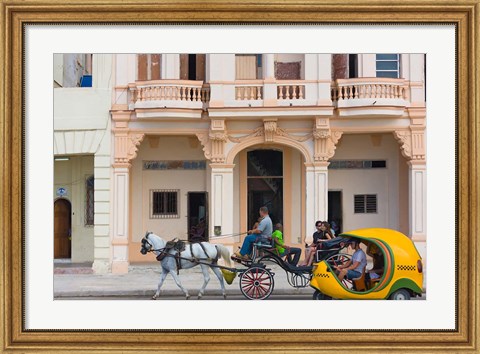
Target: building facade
[[191, 145]]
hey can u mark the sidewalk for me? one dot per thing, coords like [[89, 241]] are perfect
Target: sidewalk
[[142, 280]]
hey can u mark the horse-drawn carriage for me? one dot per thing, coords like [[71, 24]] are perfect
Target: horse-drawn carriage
[[401, 278]]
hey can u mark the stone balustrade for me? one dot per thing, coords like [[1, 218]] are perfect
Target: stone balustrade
[[290, 90], [248, 91], [176, 93], [364, 88]]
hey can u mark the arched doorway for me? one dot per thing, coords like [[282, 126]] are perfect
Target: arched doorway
[[62, 229]]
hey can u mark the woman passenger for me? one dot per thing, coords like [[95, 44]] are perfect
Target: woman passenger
[[322, 234]]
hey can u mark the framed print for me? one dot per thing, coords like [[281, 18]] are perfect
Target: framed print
[[137, 134]]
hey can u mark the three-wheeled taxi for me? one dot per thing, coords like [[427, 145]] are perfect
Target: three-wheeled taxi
[[400, 278]]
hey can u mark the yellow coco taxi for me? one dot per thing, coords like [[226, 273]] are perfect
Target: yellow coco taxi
[[401, 269]]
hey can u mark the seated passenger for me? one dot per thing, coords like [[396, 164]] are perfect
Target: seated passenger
[[354, 267], [376, 272], [262, 233], [292, 253], [322, 234]]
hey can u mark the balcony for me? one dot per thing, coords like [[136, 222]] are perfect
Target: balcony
[[168, 94], [253, 98], [372, 96]]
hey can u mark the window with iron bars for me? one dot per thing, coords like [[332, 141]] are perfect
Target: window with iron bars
[[89, 201], [365, 203], [164, 204]]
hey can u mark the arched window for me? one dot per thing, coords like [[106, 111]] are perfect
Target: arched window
[[89, 201]]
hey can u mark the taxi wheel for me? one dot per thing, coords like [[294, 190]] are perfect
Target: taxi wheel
[[318, 295], [400, 294]]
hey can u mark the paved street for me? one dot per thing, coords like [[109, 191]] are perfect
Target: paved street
[[142, 280]]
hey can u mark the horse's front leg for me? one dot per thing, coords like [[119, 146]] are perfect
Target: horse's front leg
[[162, 279], [206, 279], [179, 284]]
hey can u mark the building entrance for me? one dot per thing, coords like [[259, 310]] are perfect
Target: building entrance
[[62, 229], [335, 210], [197, 216], [265, 184]]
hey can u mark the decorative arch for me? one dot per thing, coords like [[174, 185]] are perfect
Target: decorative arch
[[260, 140]]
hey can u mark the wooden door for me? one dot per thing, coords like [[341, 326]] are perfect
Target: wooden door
[[62, 229]]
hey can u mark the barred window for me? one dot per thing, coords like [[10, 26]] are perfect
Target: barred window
[[89, 201], [365, 203], [164, 203]]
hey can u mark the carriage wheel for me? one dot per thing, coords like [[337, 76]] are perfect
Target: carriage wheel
[[256, 283]]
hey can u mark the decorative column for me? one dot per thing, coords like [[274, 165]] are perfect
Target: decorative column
[[221, 178], [270, 85], [221, 199], [316, 184], [412, 145], [317, 174], [218, 138], [126, 145], [325, 140]]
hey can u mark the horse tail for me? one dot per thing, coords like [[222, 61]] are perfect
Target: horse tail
[[225, 253]]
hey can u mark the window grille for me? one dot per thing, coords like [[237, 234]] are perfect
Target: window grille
[[164, 204], [89, 201], [365, 203], [388, 65]]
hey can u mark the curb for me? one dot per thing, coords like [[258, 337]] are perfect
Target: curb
[[167, 292]]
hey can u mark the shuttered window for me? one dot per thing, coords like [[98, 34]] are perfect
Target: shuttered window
[[248, 66], [365, 203], [164, 204]]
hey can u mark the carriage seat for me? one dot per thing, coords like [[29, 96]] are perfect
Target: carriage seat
[[269, 243]]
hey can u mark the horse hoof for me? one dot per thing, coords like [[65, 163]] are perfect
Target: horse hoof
[[154, 297], [225, 296], [187, 297], [200, 296]]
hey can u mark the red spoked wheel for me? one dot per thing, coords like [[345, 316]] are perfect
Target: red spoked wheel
[[256, 283]]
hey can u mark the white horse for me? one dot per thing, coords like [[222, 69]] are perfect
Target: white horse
[[207, 254]]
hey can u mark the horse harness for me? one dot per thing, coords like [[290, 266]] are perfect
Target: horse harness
[[179, 246]]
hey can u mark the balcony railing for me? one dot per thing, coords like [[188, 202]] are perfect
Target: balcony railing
[[367, 88], [290, 90], [169, 93], [344, 93]]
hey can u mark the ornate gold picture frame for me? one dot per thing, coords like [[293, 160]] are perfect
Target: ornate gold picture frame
[[464, 15]]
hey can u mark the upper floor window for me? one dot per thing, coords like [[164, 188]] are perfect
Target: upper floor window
[[388, 65], [148, 67], [248, 66], [89, 201]]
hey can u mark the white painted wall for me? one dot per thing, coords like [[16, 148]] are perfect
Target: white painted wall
[[383, 182], [169, 148]]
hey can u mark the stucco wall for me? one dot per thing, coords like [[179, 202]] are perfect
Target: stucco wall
[[384, 182], [142, 181]]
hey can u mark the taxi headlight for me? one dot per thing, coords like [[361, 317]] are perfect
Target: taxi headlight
[[419, 266]]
